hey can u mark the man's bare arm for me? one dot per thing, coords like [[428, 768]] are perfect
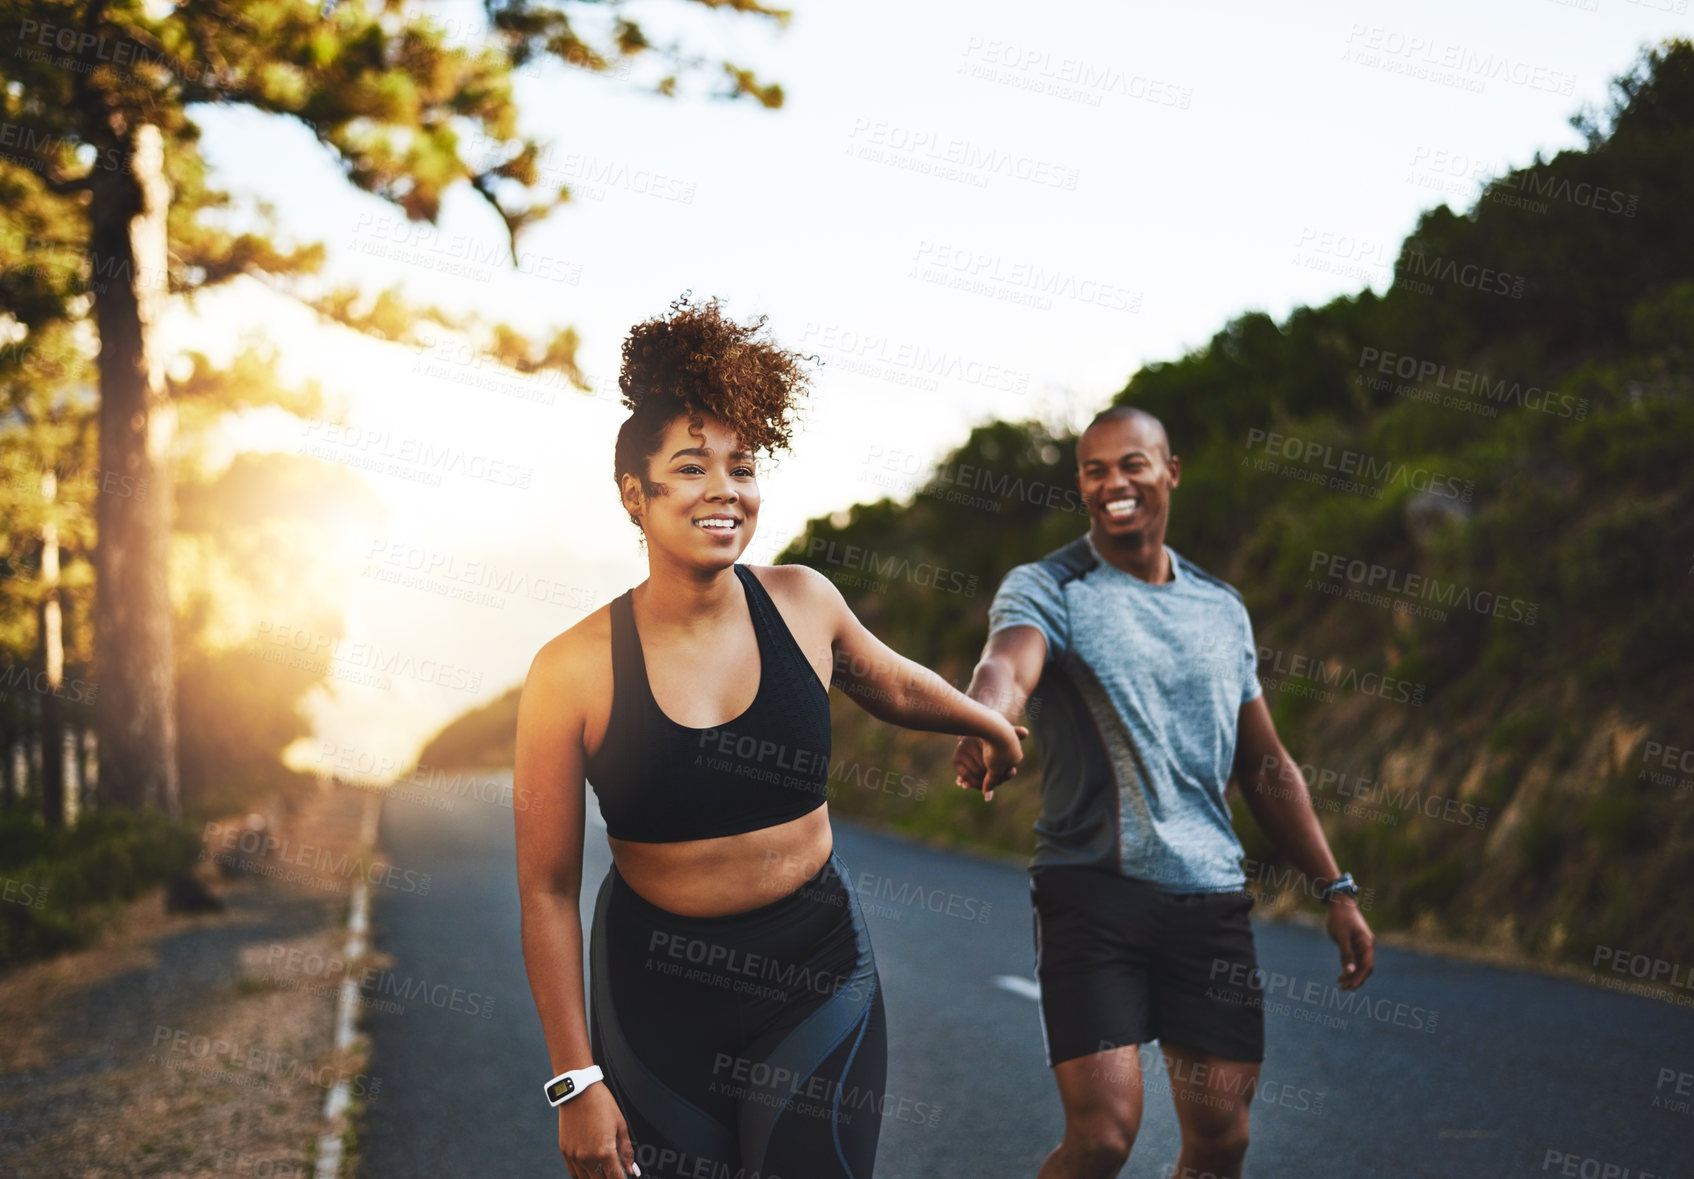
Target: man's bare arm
[[1004, 678], [1275, 791]]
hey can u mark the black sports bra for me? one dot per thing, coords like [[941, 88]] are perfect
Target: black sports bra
[[661, 782]]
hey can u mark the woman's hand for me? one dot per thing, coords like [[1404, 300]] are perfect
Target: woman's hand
[[593, 1137], [981, 763]]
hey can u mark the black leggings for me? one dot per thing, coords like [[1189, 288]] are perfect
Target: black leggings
[[749, 1046]]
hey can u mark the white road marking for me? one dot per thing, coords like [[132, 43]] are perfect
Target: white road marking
[[358, 927], [1019, 985]]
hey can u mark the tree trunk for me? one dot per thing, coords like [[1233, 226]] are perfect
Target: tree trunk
[[52, 645], [135, 701], [87, 769]]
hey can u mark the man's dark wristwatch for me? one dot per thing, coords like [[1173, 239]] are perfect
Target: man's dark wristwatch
[[1342, 885]]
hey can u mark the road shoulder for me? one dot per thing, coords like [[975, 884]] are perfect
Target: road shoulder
[[193, 1045]]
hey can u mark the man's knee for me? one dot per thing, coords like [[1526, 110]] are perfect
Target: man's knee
[[1221, 1139], [1101, 1145], [1188, 1171]]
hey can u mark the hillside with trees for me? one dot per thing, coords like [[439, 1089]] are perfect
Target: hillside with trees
[[1462, 516]]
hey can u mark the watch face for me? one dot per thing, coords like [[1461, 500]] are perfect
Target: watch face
[[564, 1088]]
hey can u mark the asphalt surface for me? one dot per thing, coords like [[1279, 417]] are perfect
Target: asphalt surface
[[1455, 1069]]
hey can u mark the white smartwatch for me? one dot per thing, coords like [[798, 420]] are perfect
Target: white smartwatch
[[567, 1085]]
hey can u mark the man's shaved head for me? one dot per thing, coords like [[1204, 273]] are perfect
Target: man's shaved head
[[1120, 413], [1125, 473]]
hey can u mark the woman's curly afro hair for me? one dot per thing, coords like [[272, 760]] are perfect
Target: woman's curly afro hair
[[694, 361]]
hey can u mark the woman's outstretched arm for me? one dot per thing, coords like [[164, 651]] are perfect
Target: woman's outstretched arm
[[893, 688]]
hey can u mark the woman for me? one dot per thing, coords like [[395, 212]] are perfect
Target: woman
[[737, 1014]]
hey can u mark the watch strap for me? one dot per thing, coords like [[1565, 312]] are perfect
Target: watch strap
[[1343, 884], [569, 1084]]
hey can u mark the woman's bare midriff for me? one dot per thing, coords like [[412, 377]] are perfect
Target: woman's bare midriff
[[728, 874]]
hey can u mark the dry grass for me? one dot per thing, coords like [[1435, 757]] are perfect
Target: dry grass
[[185, 1045]]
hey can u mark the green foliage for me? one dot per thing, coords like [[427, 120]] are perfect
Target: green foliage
[[1255, 844], [1541, 840], [1435, 885], [1522, 731], [1532, 475], [1496, 791], [1619, 821], [63, 885], [484, 736]]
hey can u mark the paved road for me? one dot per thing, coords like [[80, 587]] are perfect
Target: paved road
[[1456, 1070]]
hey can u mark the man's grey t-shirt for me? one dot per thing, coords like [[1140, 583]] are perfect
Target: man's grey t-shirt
[[1139, 704]]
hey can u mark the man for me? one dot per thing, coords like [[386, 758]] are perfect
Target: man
[[1145, 668]]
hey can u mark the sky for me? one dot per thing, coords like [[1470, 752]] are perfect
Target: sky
[[963, 210]]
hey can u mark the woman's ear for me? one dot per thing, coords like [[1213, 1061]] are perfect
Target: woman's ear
[[633, 501]]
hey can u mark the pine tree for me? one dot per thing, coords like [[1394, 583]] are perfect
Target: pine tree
[[104, 194]]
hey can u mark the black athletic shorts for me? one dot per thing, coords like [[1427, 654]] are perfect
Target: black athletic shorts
[[1122, 962]]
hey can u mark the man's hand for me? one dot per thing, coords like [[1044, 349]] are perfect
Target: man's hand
[[1348, 930], [1009, 670]]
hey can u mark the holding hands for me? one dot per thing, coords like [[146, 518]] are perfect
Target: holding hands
[[981, 763]]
